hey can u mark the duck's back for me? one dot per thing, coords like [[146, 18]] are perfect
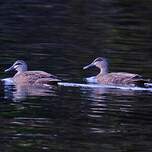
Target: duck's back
[[121, 78], [33, 77]]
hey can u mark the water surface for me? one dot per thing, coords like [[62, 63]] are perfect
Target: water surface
[[61, 37]]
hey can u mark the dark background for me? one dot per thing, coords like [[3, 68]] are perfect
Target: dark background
[[61, 37]]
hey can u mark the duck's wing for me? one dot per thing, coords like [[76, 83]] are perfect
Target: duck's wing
[[122, 78], [39, 76], [124, 75]]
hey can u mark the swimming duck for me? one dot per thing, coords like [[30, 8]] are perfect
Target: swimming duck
[[25, 77], [116, 78]]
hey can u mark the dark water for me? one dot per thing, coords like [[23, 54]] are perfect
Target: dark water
[[61, 37]]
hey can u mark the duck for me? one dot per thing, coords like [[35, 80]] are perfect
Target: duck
[[116, 78], [25, 77]]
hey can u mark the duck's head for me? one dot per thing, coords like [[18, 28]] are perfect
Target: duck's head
[[19, 66], [100, 63]]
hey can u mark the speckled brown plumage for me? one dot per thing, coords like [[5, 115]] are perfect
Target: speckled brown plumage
[[122, 78], [35, 77]]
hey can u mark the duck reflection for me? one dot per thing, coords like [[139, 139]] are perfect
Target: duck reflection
[[105, 99], [19, 92], [109, 107]]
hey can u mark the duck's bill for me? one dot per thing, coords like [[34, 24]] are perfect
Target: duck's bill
[[88, 66], [9, 69]]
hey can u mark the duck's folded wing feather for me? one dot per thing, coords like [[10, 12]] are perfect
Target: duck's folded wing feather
[[34, 76], [120, 78], [124, 75]]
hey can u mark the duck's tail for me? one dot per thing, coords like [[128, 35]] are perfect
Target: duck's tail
[[143, 82]]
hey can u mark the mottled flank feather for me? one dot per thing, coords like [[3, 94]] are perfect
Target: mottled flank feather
[[122, 78], [36, 77]]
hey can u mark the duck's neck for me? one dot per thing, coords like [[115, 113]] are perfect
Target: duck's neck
[[21, 70], [18, 73], [103, 70]]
